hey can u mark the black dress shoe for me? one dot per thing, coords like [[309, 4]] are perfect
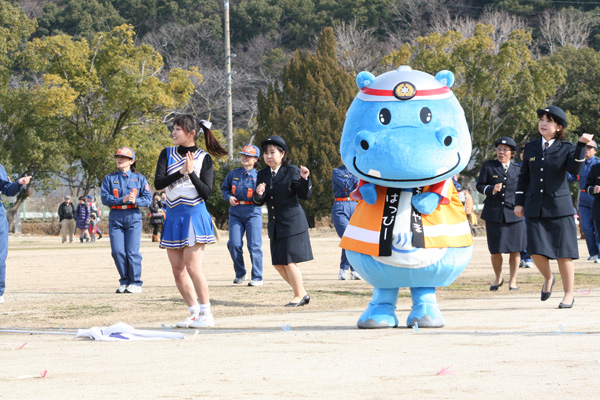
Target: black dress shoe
[[305, 300], [563, 305], [495, 287], [546, 295]]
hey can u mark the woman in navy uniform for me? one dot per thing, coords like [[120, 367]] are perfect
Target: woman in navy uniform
[[343, 207], [9, 189], [124, 192], [187, 174], [543, 197], [505, 231], [280, 185], [237, 189]]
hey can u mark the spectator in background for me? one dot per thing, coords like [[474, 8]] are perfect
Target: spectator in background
[[82, 217], [586, 201], [66, 216], [157, 216], [94, 210]]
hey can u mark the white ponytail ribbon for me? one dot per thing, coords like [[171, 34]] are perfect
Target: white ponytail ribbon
[[205, 124]]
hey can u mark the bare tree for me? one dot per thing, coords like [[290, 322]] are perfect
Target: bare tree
[[356, 47], [567, 27]]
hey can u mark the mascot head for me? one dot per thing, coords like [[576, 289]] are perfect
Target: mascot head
[[405, 129]]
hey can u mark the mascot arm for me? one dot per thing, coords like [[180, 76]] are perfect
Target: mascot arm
[[365, 191], [438, 193], [426, 203]]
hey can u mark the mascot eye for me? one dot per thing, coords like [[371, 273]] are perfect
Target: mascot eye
[[385, 116], [425, 115]]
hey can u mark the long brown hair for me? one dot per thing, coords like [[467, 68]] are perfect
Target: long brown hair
[[190, 123]]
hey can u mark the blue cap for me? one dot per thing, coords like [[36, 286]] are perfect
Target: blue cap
[[250, 150]]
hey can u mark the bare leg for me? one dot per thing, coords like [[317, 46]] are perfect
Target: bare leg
[[567, 274], [295, 276], [497, 265], [187, 271], [543, 265], [513, 262], [283, 272]]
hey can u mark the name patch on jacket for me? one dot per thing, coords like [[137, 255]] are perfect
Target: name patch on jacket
[[416, 224], [390, 209]]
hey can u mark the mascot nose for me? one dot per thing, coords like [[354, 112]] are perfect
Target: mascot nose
[[363, 141], [448, 137]]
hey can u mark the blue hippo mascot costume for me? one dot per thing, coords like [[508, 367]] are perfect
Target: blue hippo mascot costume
[[405, 136]]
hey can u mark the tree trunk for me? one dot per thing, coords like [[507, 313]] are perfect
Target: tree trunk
[[10, 214]]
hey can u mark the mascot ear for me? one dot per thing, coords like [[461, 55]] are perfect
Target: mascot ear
[[446, 77], [364, 79]]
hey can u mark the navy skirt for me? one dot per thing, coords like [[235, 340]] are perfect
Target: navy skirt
[[291, 249], [506, 237], [552, 237], [187, 225]]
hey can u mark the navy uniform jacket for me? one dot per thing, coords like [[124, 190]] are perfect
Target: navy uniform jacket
[[592, 180], [498, 207], [286, 216], [543, 188]]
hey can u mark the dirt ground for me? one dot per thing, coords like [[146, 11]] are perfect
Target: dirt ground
[[495, 345]]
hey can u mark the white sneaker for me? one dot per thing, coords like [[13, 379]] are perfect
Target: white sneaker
[[597, 260], [528, 264], [186, 322], [343, 275], [593, 258], [1, 299], [355, 276], [133, 289], [122, 289], [255, 282], [521, 264], [203, 321]]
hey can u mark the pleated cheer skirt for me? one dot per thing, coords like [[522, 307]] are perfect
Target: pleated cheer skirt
[[187, 225]]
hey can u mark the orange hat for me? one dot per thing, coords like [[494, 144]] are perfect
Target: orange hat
[[125, 152]]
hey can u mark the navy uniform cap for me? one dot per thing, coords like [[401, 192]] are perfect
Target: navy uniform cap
[[557, 114], [274, 140], [507, 142]]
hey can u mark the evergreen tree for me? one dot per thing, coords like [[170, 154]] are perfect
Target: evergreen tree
[[307, 109]]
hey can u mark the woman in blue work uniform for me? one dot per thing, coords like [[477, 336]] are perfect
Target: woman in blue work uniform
[[543, 197], [9, 189], [187, 174], [124, 192], [505, 231], [237, 189], [342, 209], [280, 185]]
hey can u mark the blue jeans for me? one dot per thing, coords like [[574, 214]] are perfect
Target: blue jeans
[[3, 248], [341, 211], [251, 224], [125, 232], [587, 227]]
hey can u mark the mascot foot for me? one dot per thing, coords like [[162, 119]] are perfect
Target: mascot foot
[[381, 312], [377, 317], [425, 311]]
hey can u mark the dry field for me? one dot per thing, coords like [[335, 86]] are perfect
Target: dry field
[[495, 345]]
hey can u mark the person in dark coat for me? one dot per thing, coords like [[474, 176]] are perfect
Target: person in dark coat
[[543, 197], [157, 216], [505, 231], [280, 185], [592, 188]]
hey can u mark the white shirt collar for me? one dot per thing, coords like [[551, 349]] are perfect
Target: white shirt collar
[[549, 142], [275, 170]]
